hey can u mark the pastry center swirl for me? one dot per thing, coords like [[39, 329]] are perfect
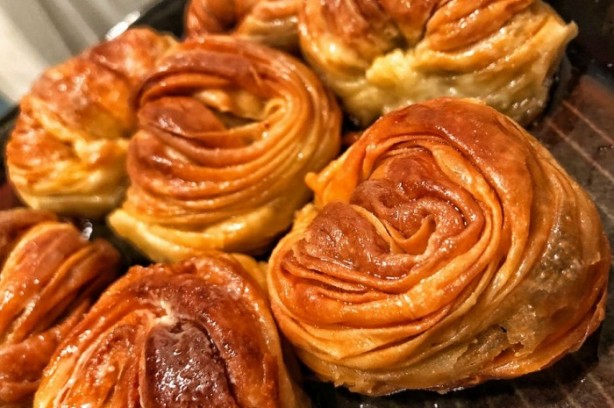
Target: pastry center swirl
[[183, 367], [407, 213]]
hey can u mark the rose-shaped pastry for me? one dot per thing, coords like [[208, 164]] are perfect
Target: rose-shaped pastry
[[194, 334], [67, 152], [270, 22], [445, 248], [49, 277], [229, 131], [379, 55]]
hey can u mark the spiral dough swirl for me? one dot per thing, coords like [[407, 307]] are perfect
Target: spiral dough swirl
[[68, 149], [380, 55], [49, 278], [194, 334], [229, 131], [445, 248], [270, 22]]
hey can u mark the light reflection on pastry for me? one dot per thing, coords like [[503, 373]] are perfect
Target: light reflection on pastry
[[379, 55], [270, 22], [194, 334], [445, 248], [67, 152], [49, 277], [229, 131]]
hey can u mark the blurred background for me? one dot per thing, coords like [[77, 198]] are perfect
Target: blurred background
[[37, 33]]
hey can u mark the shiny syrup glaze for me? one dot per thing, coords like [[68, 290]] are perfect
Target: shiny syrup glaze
[[577, 129]]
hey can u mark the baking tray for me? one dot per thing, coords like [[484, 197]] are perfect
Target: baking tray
[[578, 128]]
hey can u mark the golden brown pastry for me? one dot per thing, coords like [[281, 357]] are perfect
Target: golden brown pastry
[[67, 152], [229, 131], [194, 334], [379, 55], [49, 277], [270, 22], [445, 248]]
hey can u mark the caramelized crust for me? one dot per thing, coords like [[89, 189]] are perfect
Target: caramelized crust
[[270, 22], [379, 55], [67, 152], [49, 277], [197, 333], [229, 131], [445, 248]]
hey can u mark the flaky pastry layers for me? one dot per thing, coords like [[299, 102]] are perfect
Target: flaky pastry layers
[[446, 247], [270, 22], [194, 334], [229, 131], [67, 152], [50, 275], [379, 55]]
